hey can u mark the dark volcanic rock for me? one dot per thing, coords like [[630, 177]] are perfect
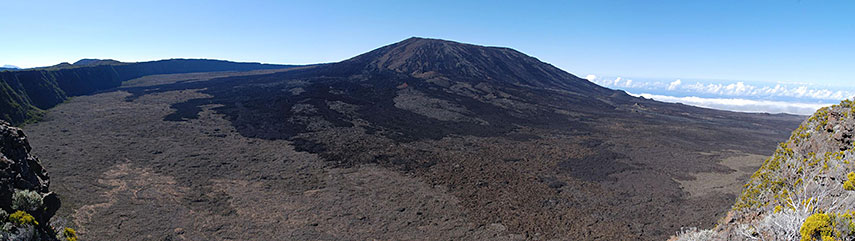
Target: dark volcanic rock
[[22, 171], [517, 140], [432, 58], [516, 148]]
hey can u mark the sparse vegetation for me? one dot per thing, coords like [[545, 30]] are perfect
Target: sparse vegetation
[[22, 225], [32, 208], [803, 192], [69, 234], [26, 200], [22, 218], [692, 234], [817, 226], [849, 184]]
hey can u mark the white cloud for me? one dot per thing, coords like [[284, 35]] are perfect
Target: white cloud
[[619, 82], [742, 89], [743, 105], [674, 84], [794, 98], [591, 77], [609, 82], [737, 89]]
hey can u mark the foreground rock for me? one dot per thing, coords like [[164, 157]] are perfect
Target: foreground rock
[[805, 191], [26, 203]]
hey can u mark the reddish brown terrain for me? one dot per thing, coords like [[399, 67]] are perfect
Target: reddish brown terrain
[[420, 140]]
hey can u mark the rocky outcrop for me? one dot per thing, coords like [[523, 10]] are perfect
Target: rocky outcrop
[[805, 191], [21, 172]]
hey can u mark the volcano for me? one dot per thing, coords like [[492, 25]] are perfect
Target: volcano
[[424, 138]]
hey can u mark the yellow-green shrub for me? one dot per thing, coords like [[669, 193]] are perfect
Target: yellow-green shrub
[[828, 226], [70, 234], [849, 184], [21, 217], [816, 225]]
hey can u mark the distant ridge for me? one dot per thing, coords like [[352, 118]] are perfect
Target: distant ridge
[[8, 67], [25, 93], [94, 62]]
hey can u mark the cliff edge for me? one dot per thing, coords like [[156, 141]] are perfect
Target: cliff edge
[[805, 191], [26, 203]]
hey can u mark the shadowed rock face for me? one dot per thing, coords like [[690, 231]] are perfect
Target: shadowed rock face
[[24, 94], [517, 148], [22, 171]]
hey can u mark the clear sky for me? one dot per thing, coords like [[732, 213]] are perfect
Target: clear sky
[[808, 41]]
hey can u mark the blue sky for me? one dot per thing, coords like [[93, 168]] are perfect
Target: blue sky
[[766, 42]]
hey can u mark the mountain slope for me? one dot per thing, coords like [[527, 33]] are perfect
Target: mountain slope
[[424, 138], [522, 145], [25, 93], [431, 58], [804, 191]]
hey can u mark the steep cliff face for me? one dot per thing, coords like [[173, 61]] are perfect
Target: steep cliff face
[[805, 191], [26, 203], [25, 93]]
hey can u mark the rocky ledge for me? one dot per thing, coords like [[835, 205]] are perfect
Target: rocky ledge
[[804, 191], [26, 203]]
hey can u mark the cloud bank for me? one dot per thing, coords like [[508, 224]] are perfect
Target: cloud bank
[[614, 83], [742, 89], [742, 105], [735, 89], [744, 96]]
